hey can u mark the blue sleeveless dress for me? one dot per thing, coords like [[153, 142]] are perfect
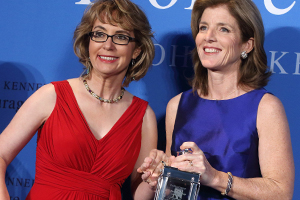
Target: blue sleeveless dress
[[225, 130]]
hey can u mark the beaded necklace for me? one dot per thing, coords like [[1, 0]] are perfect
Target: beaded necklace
[[100, 98]]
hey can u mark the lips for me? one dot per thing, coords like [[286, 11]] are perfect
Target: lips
[[108, 59], [211, 50]]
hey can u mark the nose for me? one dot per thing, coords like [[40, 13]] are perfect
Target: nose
[[108, 44], [210, 35]]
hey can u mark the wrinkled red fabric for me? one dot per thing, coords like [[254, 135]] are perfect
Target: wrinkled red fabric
[[72, 164]]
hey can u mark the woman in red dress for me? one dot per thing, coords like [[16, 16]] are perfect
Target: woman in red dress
[[92, 133]]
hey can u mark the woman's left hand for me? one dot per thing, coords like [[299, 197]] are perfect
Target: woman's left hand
[[195, 162], [152, 166]]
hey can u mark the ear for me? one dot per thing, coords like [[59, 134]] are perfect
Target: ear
[[136, 53], [249, 45]]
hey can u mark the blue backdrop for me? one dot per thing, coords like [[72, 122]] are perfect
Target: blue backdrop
[[36, 48]]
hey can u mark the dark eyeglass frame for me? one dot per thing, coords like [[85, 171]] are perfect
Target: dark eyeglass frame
[[91, 34]]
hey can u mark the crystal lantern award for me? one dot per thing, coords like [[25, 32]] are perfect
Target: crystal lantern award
[[174, 184]]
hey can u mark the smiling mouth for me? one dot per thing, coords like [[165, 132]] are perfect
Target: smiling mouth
[[108, 58], [211, 50]]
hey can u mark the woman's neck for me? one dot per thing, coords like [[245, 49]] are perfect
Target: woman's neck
[[222, 86]]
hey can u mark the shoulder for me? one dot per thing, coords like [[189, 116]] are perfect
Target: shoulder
[[41, 98], [137, 102], [149, 128], [149, 113], [72, 81], [270, 104], [45, 96], [174, 102], [46, 92], [171, 111], [142, 104], [40, 104], [271, 115]]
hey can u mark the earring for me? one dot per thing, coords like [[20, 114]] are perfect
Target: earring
[[244, 55], [89, 67], [132, 62]]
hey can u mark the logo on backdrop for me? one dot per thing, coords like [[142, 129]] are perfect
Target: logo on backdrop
[[277, 11], [276, 61], [18, 182], [184, 57], [268, 4], [17, 86], [180, 56], [156, 5]]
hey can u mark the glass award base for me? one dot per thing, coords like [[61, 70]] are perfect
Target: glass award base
[[174, 184]]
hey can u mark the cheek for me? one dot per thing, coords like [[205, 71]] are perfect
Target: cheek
[[231, 46], [91, 48], [129, 51], [198, 39], [235, 43]]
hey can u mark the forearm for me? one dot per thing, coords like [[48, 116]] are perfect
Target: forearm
[[261, 188], [3, 189], [144, 192], [255, 188]]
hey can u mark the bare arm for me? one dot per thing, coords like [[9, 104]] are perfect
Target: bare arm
[[152, 165], [275, 156], [141, 190], [171, 113], [22, 127], [3, 190]]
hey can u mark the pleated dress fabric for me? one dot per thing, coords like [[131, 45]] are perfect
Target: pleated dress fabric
[[72, 164]]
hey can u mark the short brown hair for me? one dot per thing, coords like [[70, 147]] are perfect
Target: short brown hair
[[128, 16], [253, 70]]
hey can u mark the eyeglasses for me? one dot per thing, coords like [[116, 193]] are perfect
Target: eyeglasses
[[120, 39]]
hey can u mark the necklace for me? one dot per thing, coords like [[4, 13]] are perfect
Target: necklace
[[100, 98], [226, 95]]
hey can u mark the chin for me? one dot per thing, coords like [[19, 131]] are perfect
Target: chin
[[209, 65]]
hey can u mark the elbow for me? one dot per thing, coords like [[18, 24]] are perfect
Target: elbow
[[285, 192], [285, 196]]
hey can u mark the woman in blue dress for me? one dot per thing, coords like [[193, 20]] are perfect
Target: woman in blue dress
[[237, 131]]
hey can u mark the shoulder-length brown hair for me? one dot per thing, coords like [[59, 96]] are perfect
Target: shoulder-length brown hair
[[253, 71], [128, 16]]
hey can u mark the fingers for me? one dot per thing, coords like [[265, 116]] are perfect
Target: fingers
[[159, 169], [186, 165], [152, 161], [153, 164], [146, 166], [191, 145], [145, 176], [190, 162], [158, 156], [151, 181], [152, 167], [171, 160]]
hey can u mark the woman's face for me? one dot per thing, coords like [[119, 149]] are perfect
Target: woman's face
[[108, 58], [219, 42]]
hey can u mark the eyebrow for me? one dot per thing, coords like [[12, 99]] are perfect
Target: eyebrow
[[117, 32], [219, 24]]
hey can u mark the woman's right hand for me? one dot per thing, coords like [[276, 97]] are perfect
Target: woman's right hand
[[153, 165], [195, 162]]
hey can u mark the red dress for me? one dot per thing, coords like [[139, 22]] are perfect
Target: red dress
[[72, 164]]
